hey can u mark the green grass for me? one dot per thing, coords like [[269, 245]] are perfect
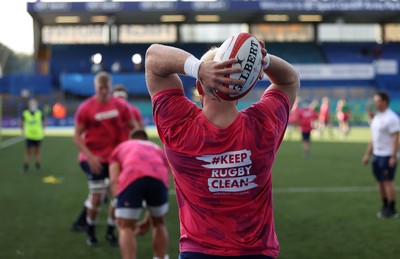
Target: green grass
[[311, 221]]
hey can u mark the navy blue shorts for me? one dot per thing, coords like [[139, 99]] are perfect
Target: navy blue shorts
[[381, 169], [130, 200], [190, 255], [306, 136], [33, 143], [94, 177]]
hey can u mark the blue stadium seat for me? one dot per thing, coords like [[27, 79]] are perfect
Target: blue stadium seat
[[349, 52]]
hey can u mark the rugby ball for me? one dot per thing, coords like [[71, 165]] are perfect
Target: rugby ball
[[247, 50]]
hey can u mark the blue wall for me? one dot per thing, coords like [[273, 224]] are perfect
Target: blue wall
[[36, 84]]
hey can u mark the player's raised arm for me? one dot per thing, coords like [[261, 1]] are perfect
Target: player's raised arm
[[283, 76], [163, 63]]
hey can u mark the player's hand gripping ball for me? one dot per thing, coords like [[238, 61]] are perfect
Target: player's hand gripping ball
[[247, 50]]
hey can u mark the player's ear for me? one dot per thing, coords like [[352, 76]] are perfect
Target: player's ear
[[200, 91], [199, 87]]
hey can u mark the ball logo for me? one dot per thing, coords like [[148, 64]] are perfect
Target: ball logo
[[240, 61], [248, 65]]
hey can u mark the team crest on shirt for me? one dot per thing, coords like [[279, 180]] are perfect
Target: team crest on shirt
[[230, 171]]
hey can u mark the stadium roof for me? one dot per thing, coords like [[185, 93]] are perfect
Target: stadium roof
[[226, 11]]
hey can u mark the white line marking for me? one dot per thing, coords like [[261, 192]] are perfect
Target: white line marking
[[11, 141], [335, 189]]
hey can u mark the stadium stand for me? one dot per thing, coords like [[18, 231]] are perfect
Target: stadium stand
[[299, 53], [349, 53], [77, 58]]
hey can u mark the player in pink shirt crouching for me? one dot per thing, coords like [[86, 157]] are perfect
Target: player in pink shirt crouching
[[221, 158], [139, 172]]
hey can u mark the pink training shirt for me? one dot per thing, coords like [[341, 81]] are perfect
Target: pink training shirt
[[223, 176], [138, 159], [306, 116], [104, 124]]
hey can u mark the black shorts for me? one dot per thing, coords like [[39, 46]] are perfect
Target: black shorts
[[191, 255], [306, 136], [130, 201], [95, 177], [151, 190], [33, 143], [381, 169]]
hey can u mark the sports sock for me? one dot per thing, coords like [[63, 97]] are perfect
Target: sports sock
[[90, 222], [110, 222], [392, 205], [37, 167], [91, 230], [110, 226], [385, 202], [91, 226], [110, 230], [81, 220]]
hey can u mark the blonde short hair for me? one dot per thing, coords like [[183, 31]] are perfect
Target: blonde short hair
[[210, 54], [102, 78]]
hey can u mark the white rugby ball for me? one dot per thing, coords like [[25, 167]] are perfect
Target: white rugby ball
[[247, 50]]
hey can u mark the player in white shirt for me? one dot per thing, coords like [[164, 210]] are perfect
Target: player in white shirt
[[383, 147]]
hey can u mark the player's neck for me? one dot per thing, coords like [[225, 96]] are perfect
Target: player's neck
[[220, 114], [102, 99], [383, 109]]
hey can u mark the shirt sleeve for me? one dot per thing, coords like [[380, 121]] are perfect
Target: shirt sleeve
[[273, 107], [80, 116], [125, 110], [171, 109], [395, 125]]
